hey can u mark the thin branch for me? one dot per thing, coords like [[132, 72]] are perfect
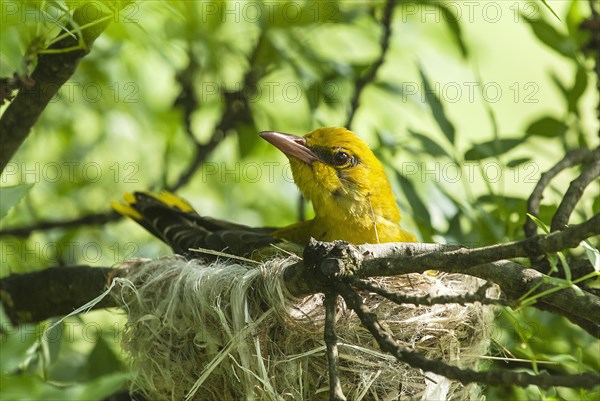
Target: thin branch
[[579, 306], [317, 270], [335, 387], [465, 376], [401, 258], [90, 219], [33, 297], [427, 300], [326, 261], [575, 192], [369, 76], [236, 111], [52, 71], [572, 158]]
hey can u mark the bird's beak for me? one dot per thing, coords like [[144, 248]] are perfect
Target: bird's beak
[[290, 145]]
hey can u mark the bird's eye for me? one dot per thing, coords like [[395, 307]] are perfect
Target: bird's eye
[[341, 158]]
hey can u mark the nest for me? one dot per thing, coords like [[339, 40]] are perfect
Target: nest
[[224, 331]]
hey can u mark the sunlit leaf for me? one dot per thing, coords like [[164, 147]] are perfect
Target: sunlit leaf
[[429, 145], [419, 209], [493, 148], [437, 108], [551, 37], [548, 127], [592, 254], [517, 162], [539, 223], [28, 387], [15, 344], [10, 196], [452, 20], [578, 88], [550, 8], [248, 139], [102, 360]]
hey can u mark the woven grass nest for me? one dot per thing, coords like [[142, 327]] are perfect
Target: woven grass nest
[[229, 331]]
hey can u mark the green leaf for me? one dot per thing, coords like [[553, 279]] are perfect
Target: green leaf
[[16, 341], [437, 108], [248, 140], [452, 20], [579, 87], [552, 38], [420, 212], [548, 127], [493, 148], [429, 145], [314, 95], [550, 8], [517, 162], [539, 223], [97, 389], [28, 387], [565, 266], [592, 254], [102, 360], [10, 196]]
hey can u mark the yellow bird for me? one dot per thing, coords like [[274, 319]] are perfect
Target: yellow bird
[[333, 168]]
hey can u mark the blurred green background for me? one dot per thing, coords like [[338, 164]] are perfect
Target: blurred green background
[[473, 102]]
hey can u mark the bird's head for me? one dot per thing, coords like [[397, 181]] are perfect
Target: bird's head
[[338, 172]]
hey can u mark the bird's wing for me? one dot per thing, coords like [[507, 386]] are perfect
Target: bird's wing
[[175, 222]]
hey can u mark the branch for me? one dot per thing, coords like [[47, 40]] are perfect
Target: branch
[[335, 386], [575, 191], [369, 76], [90, 219], [579, 306], [236, 111], [465, 376], [323, 262], [427, 300], [314, 274], [401, 258], [234, 114], [572, 158], [53, 69], [33, 297], [320, 265]]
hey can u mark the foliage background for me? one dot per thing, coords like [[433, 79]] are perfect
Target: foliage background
[[471, 105]]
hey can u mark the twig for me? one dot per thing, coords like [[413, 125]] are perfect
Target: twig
[[427, 300], [369, 76], [236, 111], [401, 259], [52, 71], [465, 376], [575, 192], [90, 219], [572, 158], [315, 274], [335, 387], [325, 261], [233, 115]]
